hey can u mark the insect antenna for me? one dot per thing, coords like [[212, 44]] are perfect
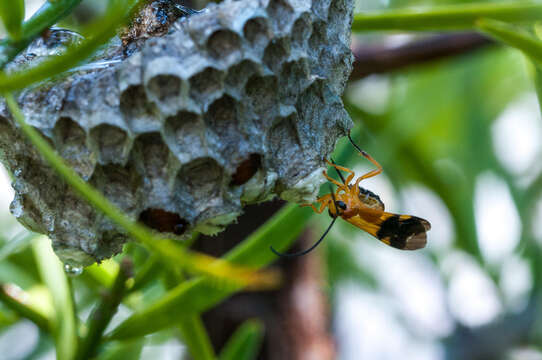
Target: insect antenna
[[337, 170], [304, 252], [357, 147]]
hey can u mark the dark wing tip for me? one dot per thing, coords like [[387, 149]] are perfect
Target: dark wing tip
[[416, 241], [425, 224], [404, 232]]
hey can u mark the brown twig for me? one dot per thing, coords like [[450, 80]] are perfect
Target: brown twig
[[377, 59]]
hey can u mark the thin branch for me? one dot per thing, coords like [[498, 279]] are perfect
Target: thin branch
[[513, 36], [377, 59], [450, 17], [102, 315]]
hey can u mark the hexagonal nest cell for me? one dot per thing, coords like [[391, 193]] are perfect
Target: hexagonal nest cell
[[233, 105]]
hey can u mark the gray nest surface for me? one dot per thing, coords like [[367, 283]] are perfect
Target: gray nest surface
[[231, 106]]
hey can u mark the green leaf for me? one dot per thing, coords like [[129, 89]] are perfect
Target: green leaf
[[47, 15], [107, 26], [244, 343], [52, 274], [12, 14], [147, 273], [196, 339], [17, 244], [104, 273], [123, 350], [25, 304], [513, 36], [453, 17], [200, 294], [12, 273]]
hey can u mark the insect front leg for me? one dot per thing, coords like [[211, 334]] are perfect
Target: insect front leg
[[351, 174], [324, 201], [333, 181]]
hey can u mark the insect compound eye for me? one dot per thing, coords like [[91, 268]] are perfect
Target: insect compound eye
[[341, 205]]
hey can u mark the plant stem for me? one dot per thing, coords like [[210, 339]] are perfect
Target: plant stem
[[48, 15], [514, 37], [146, 273], [102, 315], [452, 17]]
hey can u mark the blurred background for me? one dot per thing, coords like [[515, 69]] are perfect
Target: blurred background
[[460, 141]]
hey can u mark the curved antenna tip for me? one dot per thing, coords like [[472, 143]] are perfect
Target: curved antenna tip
[[304, 252]]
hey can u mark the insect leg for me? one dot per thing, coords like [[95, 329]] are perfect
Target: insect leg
[[330, 179], [338, 167], [355, 189], [324, 202]]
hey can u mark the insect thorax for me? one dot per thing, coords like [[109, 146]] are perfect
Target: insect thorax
[[370, 199]]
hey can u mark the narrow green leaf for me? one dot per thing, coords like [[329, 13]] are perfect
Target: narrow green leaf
[[193, 332], [513, 36], [200, 294], [17, 244], [123, 350], [47, 15], [104, 273], [115, 16], [147, 273], [52, 274], [244, 343], [21, 303], [13, 273], [196, 339], [12, 13], [7, 318], [453, 17]]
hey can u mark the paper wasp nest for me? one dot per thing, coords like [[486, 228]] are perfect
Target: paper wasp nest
[[232, 106]]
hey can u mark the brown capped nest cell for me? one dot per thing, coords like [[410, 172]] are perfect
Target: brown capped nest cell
[[231, 106]]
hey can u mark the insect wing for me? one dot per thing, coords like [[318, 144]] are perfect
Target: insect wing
[[403, 232]]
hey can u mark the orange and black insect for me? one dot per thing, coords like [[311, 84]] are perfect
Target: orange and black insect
[[364, 209]]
